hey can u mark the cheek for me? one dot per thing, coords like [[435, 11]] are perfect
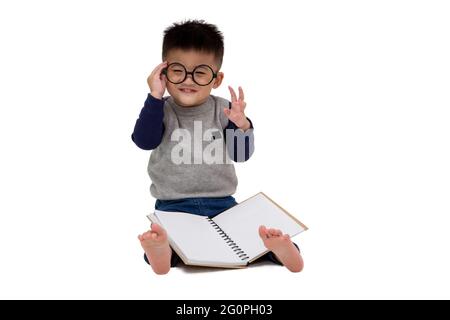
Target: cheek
[[204, 91], [171, 87]]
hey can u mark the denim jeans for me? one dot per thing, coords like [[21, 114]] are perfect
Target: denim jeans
[[205, 207], [201, 206]]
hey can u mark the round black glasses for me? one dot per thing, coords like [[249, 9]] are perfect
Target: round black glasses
[[201, 75]]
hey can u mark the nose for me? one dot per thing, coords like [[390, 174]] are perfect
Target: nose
[[189, 79]]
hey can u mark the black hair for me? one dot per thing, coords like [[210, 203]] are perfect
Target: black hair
[[194, 34]]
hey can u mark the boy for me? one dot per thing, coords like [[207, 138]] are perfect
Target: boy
[[199, 182]]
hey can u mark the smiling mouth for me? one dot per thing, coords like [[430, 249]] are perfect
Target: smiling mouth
[[186, 90]]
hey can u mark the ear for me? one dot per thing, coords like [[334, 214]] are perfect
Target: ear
[[218, 80]]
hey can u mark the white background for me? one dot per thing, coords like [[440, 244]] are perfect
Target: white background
[[351, 106]]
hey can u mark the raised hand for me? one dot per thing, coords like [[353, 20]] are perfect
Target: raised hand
[[157, 81], [236, 113]]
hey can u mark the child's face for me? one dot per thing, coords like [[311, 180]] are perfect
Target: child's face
[[188, 93]]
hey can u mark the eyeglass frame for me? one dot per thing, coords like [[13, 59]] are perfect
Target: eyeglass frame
[[164, 71]]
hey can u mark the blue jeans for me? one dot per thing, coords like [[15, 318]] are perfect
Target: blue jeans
[[205, 207], [201, 206]]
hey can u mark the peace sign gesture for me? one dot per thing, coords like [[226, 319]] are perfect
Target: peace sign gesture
[[236, 113]]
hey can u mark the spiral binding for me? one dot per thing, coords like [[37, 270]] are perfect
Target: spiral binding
[[239, 252]]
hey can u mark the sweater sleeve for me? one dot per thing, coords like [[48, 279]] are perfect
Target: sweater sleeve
[[240, 144], [149, 128]]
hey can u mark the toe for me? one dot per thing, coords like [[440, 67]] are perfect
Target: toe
[[262, 232], [146, 235], [158, 229]]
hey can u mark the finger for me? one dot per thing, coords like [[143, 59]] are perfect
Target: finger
[[241, 94], [278, 232], [233, 94], [162, 65], [159, 68], [239, 106], [163, 78], [226, 111]]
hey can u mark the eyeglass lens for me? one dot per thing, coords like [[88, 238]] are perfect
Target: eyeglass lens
[[202, 75]]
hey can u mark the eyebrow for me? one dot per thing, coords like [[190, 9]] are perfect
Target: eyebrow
[[212, 67]]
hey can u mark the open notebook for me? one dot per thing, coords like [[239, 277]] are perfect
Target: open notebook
[[230, 239]]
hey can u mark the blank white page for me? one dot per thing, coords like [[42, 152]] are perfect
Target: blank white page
[[196, 238], [241, 223]]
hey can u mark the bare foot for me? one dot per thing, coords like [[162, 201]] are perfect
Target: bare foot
[[283, 248], [156, 246]]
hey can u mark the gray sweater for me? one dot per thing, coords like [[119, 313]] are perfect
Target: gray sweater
[[192, 148]]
